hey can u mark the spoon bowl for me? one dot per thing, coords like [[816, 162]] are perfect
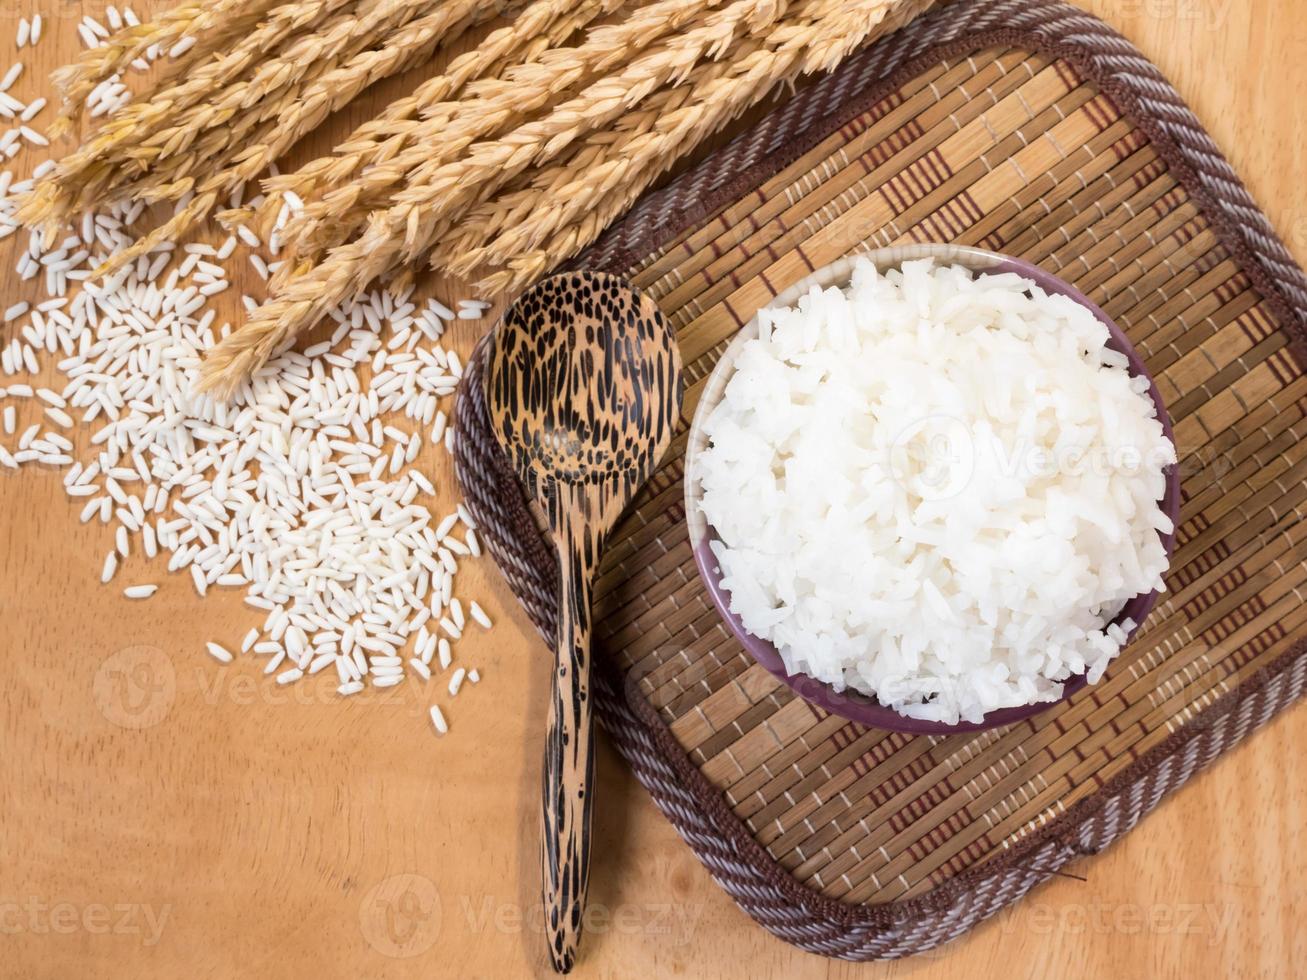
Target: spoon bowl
[[583, 384]]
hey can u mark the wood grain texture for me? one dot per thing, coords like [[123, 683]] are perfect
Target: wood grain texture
[[584, 388], [163, 816]]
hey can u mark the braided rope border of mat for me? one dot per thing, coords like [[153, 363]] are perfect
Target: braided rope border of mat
[[788, 909]]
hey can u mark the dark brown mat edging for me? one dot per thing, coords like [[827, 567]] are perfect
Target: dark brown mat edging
[[789, 909]]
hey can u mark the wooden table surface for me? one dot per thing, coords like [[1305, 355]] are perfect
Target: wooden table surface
[[163, 816]]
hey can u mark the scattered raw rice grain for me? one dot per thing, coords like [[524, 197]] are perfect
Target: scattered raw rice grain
[[438, 719], [11, 76], [218, 652], [140, 591], [326, 544], [456, 681]]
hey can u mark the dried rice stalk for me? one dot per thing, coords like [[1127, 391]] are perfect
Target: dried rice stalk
[[332, 90], [449, 128], [342, 36], [224, 18], [140, 117], [437, 192], [514, 157], [88, 174], [535, 232], [541, 26], [506, 234], [819, 33], [242, 156]]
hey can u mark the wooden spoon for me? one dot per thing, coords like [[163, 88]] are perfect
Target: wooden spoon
[[584, 389]]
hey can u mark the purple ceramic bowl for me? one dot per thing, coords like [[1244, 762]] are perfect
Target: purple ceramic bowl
[[851, 704]]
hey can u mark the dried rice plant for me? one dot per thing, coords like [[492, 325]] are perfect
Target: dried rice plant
[[221, 20], [493, 105], [133, 146], [543, 25], [143, 118], [142, 136], [510, 160], [437, 191], [818, 33], [524, 239], [244, 149]]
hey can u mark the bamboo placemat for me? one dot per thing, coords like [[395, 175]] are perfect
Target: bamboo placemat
[[1030, 129]]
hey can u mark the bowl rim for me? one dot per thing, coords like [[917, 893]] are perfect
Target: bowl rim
[[850, 704]]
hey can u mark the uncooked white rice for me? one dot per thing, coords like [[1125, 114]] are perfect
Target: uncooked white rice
[[438, 719], [302, 491], [936, 488], [456, 681], [219, 652]]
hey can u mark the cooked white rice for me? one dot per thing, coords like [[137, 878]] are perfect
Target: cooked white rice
[[936, 488]]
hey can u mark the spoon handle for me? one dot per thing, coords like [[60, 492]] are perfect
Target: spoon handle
[[569, 747]]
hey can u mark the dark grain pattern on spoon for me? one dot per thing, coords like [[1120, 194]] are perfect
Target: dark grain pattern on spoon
[[584, 389]]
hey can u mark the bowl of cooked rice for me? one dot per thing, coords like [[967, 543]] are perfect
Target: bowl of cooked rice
[[933, 489]]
